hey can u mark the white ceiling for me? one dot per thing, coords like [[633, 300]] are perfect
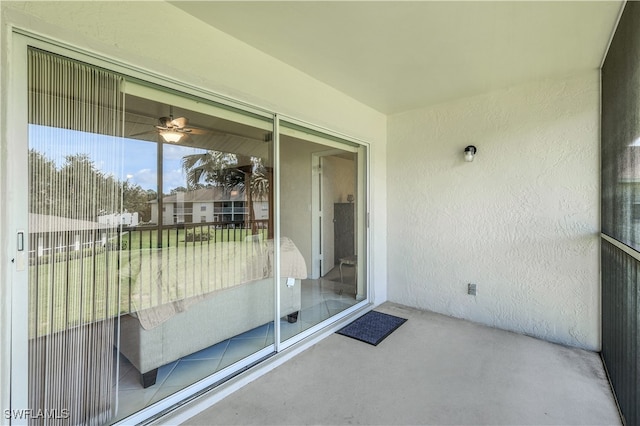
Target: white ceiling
[[396, 56]]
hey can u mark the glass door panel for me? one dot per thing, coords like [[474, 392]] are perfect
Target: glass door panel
[[322, 205], [196, 243], [75, 153], [151, 257]]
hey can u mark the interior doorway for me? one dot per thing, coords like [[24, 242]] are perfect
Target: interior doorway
[[333, 204]]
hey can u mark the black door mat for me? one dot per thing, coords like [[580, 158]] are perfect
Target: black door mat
[[373, 327]]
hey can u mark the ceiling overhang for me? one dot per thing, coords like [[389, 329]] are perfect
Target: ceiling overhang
[[395, 56]]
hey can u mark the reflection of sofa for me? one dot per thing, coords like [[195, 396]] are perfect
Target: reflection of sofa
[[185, 301], [226, 314]]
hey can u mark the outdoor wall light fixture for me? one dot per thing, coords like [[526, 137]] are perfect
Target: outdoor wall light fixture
[[469, 153]]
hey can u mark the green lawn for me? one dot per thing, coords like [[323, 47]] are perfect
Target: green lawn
[[67, 291], [143, 239], [65, 294]]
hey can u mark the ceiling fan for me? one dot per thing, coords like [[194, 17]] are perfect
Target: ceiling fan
[[172, 129]]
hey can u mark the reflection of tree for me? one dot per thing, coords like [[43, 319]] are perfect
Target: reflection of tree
[[214, 168], [178, 189], [43, 183], [78, 190], [231, 172], [136, 199], [151, 194], [88, 191]]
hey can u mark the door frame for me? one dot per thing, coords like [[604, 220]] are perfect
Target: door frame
[[17, 193]]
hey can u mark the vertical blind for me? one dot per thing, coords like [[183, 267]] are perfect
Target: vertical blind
[[75, 144]]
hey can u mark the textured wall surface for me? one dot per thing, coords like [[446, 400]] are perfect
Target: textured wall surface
[[521, 221]]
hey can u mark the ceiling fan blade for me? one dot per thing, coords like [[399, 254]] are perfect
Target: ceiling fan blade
[[142, 133], [196, 131], [180, 122]]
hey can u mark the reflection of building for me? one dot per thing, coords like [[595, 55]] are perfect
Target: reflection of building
[[116, 219], [49, 234], [207, 205]]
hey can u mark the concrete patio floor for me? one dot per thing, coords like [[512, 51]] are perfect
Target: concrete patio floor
[[432, 370]]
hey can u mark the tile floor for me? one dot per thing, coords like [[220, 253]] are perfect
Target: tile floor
[[321, 299]]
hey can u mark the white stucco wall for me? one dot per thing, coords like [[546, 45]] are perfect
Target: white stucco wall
[[521, 221], [158, 37]]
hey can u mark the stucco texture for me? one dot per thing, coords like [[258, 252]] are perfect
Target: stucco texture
[[521, 221]]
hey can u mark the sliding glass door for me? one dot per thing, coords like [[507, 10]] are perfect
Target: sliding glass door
[[322, 216], [197, 261], [169, 240]]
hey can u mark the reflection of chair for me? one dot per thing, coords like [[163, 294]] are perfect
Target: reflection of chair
[[351, 261]]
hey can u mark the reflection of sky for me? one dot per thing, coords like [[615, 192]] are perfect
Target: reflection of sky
[[122, 158]]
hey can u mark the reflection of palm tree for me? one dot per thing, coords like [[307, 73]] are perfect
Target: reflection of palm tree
[[231, 172]]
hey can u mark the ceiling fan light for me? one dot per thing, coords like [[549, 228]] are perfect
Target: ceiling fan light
[[171, 136]]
